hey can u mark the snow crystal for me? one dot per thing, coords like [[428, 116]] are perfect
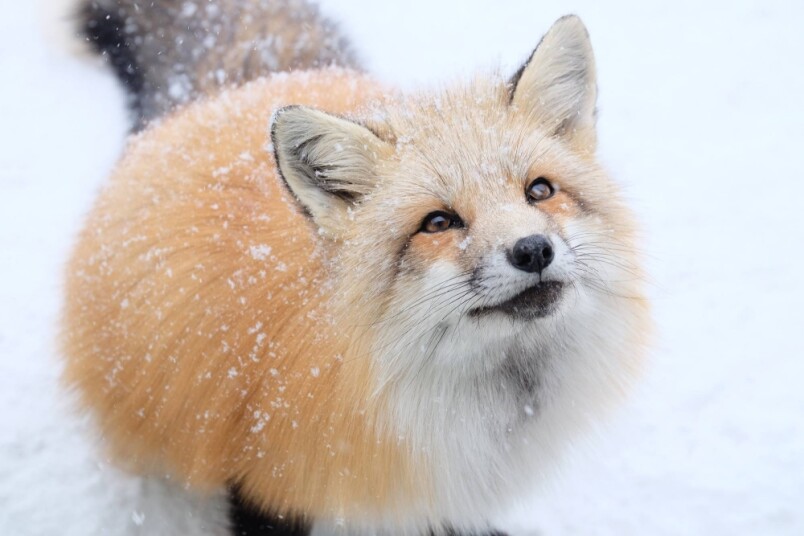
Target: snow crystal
[[315, 372], [176, 90], [260, 252], [223, 170], [255, 328], [138, 518], [258, 427], [188, 9], [210, 40], [262, 419], [232, 372]]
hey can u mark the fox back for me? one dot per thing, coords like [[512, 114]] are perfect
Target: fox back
[[382, 312]]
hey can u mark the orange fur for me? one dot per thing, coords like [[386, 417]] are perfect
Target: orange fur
[[200, 333]]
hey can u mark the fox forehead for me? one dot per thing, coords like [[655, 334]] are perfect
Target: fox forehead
[[470, 151]]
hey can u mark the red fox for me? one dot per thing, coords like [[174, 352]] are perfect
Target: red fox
[[365, 312]]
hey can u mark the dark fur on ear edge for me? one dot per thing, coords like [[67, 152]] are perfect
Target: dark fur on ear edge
[[275, 147], [330, 177], [556, 88], [514, 80]]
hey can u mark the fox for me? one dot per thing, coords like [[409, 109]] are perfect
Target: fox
[[359, 310]]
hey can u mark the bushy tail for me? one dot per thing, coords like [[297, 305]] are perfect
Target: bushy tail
[[170, 52]]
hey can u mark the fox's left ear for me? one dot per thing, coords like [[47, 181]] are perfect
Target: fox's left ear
[[557, 87]]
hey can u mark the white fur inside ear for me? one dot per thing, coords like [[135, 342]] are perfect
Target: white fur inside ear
[[327, 162], [557, 86]]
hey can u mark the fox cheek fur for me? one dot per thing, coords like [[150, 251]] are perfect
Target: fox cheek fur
[[455, 291]]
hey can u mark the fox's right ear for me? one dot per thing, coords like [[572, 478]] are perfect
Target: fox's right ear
[[328, 163]]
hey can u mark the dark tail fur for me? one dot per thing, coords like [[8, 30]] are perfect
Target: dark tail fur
[[170, 52]]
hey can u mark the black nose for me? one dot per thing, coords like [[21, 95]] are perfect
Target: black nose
[[533, 253]]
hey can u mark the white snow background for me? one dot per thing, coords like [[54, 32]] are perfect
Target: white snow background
[[701, 119]]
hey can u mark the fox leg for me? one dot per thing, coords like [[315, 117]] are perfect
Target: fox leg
[[248, 520]]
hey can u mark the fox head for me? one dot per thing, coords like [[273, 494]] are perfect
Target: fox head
[[473, 228]]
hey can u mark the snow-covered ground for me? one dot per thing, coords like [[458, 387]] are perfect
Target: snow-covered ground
[[701, 118]]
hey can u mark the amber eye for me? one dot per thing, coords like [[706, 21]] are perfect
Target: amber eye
[[539, 190], [439, 221]]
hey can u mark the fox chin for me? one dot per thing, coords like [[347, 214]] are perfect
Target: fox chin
[[359, 310]]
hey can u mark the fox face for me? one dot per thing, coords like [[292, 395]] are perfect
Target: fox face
[[482, 203], [472, 234]]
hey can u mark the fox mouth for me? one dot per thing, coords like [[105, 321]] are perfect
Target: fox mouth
[[534, 302]]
